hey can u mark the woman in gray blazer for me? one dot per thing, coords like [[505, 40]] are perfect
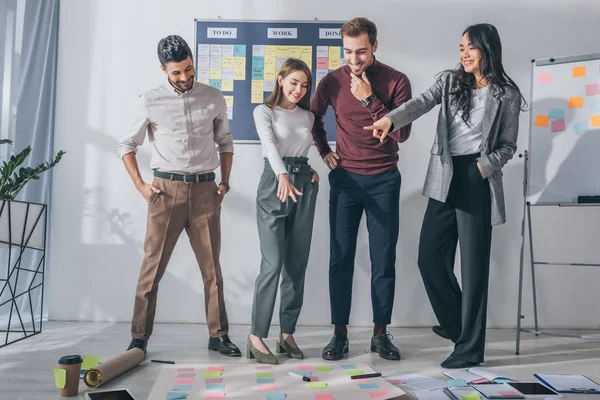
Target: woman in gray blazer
[[476, 135]]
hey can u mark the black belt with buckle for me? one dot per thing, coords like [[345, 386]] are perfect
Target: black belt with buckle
[[185, 178]]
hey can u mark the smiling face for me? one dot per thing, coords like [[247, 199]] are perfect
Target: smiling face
[[294, 87], [358, 52], [470, 56], [180, 74]]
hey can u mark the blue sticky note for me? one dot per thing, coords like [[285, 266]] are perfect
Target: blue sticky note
[[239, 50], [215, 386], [596, 107], [275, 395], [264, 380], [457, 383], [216, 83], [181, 387], [348, 366], [176, 396], [258, 74], [557, 113], [368, 385], [580, 127], [303, 373], [258, 62]]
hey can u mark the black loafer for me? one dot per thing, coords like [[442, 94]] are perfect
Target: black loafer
[[438, 330], [382, 345], [139, 343], [337, 347], [453, 363], [223, 345]]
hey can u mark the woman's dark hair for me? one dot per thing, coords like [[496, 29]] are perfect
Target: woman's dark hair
[[173, 49], [289, 66], [485, 38]]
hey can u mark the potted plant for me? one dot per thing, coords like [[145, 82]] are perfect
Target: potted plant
[[23, 242]]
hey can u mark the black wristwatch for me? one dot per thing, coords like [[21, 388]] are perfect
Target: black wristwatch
[[367, 100]]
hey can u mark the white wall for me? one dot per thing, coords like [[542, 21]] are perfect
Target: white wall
[[107, 56]]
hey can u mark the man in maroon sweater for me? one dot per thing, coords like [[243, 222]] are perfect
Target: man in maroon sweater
[[364, 177]]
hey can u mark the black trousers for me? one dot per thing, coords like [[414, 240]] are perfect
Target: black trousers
[[465, 218]]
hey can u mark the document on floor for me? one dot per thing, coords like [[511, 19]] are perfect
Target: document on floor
[[417, 382], [477, 375], [569, 383]]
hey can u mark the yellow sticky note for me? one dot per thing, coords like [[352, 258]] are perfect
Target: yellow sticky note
[[215, 73], [239, 62], [317, 385], [294, 51], [578, 72], [596, 120], [471, 396], [575, 102], [205, 81], [258, 86], [264, 375], [60, 377], [334, 52], [227, 85], [239, 74], [283, 51], [271, 51], [334, 63], [322, 368], [229, 101], [227, 62], [541, 120], [257, 97], [89, 362], [305, 53], [353, 372], [212, 374]]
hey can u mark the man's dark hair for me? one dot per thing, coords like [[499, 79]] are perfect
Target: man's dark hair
[[173, 49]]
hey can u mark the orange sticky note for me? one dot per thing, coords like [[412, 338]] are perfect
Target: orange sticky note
[[596, 120], [575, 102], [578, 72], [542, 120]]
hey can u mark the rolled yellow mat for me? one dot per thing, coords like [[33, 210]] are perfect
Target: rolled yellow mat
[[112, 368]]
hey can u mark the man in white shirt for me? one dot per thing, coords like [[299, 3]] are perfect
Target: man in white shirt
[[186, 124]]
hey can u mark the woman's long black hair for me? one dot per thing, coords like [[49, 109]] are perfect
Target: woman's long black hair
[[485, 38]]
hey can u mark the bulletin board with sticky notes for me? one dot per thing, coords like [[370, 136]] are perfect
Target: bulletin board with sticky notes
[[564, 139], [242, 60], [329, 381]]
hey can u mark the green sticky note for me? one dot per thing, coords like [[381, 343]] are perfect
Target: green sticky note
[[60, 377], [317, 385], [353, 372], [323, 368], [212, 374], [264, 374], [89, 362], [471, 396]]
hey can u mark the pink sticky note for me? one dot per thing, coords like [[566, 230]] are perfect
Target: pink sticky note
[[361, 380], [184, 381], [322, 63], [186, 370], [264, 368], [314, 378], [213, 368], [558, 125], [592, 90], [185, 375], [214, 395], [507, 393], [324, 397], [267, 386], [213, 380], [544, 78], [395, 381], [305, 367], [376, 395]]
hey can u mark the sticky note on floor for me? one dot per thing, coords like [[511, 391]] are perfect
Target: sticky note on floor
[[544, 78], [181, 387], [348, 366], [303, 373], [176, 396], [60, 377], [314, 378], [264, 380], [592, 90], [578, 72], [268, 386], [376, 395], [275, 395], [212, 374], [89, 362], [575, 102], [215, 386], [557, 113], [186, 375], [213, 380], [317, 385], [580, 127], [184, 381], [368, 385], [213, 368], [353, 372], [457, 383], [214, 395], [323, 368], [596, 121], [264, 368], [264, 374], [541, 120], [471, 396], [558, 125], [324, 396], [305, 367], [596, 107]]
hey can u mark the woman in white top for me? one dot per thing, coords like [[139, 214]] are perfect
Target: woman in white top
[[285, 207], [476, 136]]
